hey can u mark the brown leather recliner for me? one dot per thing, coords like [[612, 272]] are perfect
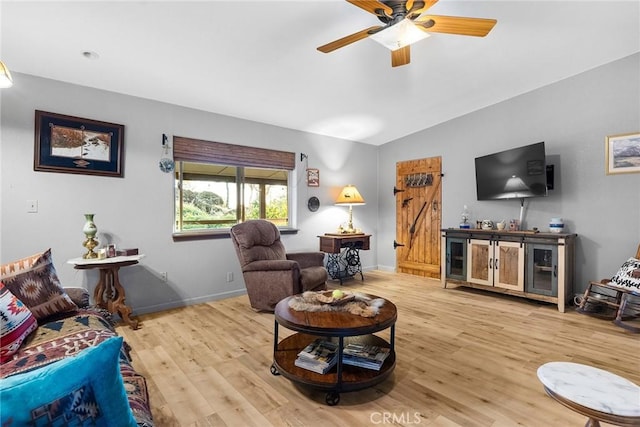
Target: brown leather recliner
[[270, 273]]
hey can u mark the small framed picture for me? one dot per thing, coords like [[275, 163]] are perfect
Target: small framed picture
[[313, 178], [111, 251], [623, 153]]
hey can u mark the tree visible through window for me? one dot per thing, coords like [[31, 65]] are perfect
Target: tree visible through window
[[218, 185]]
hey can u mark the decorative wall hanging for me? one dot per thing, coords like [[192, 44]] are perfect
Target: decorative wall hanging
[[419, 180], [313, 178], [623, 153], [313, 204], [70, 144], [166, 162]]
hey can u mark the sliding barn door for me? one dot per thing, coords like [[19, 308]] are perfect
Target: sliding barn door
[[418, 193]]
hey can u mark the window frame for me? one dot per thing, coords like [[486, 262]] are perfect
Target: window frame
[[191, 150]]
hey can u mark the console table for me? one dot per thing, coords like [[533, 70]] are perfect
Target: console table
[[344, 326], [343, 250], [109, 293], [527, 264]]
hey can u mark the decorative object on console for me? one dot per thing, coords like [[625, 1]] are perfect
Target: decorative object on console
[[465, 218], [90, 231], [487, 224], [350, 196], [556, 225], [166, 162], [70, 144], [623, 153], [5, 76], [501, 225]]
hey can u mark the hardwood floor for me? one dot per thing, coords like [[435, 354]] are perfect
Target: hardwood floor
[[464, 358]]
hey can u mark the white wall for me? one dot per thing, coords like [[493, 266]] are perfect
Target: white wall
[[136, 211], [573, 117]]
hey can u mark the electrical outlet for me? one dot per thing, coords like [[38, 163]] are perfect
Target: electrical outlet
[[229, 276], [32, 206], [163, 276]]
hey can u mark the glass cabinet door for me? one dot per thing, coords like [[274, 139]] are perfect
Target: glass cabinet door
[[542, 269], [457, 258]]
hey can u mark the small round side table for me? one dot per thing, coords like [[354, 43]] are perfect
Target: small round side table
[[592, 392]]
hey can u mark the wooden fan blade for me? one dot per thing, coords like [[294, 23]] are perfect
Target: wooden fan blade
[[400, 56], [337, 44], [371, 6], [478, 27], [427, 4]]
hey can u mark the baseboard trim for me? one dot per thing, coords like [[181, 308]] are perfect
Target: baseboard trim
[[191, 301]]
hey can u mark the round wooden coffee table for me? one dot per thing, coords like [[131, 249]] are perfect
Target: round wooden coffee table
[[592, 392], [344, 327]]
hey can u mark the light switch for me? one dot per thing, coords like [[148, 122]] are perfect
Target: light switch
[[32, 206]]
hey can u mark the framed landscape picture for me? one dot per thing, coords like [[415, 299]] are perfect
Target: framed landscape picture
[[70, 144], [623, 153]]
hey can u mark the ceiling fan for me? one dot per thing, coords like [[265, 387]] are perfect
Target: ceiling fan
[[404, 24]]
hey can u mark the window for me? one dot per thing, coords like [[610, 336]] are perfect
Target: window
[[219, 185]]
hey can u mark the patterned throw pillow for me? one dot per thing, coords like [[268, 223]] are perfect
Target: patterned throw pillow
[[17, 323], [626, 278], [81, 390], [34, 281]]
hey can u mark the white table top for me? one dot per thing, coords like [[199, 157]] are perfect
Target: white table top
[[592, 388], [112, 260]]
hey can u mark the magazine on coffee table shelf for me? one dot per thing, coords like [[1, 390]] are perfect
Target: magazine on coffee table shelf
[[319, 356], [365, 356]]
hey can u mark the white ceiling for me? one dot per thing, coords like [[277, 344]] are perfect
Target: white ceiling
[[257, 60]]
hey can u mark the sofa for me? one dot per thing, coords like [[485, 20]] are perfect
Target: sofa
[[62, 362]]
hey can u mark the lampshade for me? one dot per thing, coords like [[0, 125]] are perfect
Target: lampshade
[[350, 196], [5, 76], [399, 35]]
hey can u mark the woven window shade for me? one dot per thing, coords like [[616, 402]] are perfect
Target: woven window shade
[[197, 150]]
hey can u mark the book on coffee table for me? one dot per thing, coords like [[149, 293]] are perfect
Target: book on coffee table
[[319, 356], [365, 356]]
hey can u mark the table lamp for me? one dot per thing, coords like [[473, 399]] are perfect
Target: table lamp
[[350, 196]]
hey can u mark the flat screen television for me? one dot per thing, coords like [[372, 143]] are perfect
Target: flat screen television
[[512, 174]]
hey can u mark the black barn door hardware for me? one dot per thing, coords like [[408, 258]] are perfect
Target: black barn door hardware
[[405, 202], [396, 244], [396, 191], [412, 229]]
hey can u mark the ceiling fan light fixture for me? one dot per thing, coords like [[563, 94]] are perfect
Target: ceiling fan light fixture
[[399, 35], [5, 76]]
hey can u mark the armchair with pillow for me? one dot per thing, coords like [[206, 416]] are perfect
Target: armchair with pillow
[[61, 361], [269, 272], [619, 293]]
